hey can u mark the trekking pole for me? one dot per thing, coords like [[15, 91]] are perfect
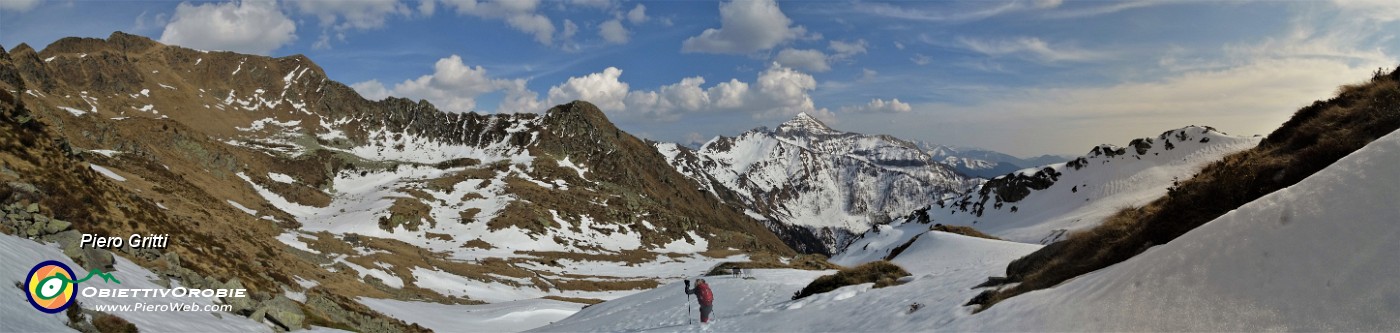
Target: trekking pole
[[688, 317]]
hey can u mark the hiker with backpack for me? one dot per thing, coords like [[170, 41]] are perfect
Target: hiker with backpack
[[704, 295]]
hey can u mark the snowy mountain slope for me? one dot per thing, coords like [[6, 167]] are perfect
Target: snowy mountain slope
[[943, 265], [806, 174], [18, 255], [1042, 205], [1316, 256], [309, 189], [1313, 257]]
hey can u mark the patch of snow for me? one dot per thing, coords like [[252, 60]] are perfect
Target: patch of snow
[[571, 165], [106, 172], [293, 239], [681, 245], [75, 112], [259, 124], [240, 207], [105, 152], [387, 145], [281, 178], [451, 284], [388, 279]]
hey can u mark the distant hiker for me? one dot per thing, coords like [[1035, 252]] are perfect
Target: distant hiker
[[738, 272], [703, 294]]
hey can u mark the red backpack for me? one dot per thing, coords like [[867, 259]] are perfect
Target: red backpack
[[704, 293]]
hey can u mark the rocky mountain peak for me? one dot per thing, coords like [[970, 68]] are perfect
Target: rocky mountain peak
[[579, 115], [804, 123]]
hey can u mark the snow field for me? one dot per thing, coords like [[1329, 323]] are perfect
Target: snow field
[[1316, 256], [513, 316], [944, 267]]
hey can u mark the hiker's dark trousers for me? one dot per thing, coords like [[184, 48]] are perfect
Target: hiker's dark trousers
[[705, 312]]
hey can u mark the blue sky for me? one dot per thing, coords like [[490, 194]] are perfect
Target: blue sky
[[1026, 77]]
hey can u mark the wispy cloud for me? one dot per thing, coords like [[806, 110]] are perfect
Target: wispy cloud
[[1103, 9], [901, 12], [1247, 88], [1380, 10], [1030, 47], [921, 59], [1245, 100], [953, 15]]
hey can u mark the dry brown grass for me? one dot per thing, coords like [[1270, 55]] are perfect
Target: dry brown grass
[[107, 323], [409, 213], [811, 262], [437, 236], [600, 285], [962, 230], [1315, 137], [882, 273], [478, 243]]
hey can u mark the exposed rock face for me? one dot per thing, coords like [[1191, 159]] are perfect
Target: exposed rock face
[[283, 312]]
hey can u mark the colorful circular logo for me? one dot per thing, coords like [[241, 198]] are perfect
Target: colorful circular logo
[[50, 286]]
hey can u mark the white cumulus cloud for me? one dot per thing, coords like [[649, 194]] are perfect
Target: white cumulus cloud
[[248, 26], [602, 89], [454, 86], [880, 106], [778, 92], [371, 90], [746, 26], [638, 14], [811, 60], [613, 32]]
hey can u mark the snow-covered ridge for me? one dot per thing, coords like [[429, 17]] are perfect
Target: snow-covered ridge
[[806, 174], [1044, 204], [1316, 256]]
